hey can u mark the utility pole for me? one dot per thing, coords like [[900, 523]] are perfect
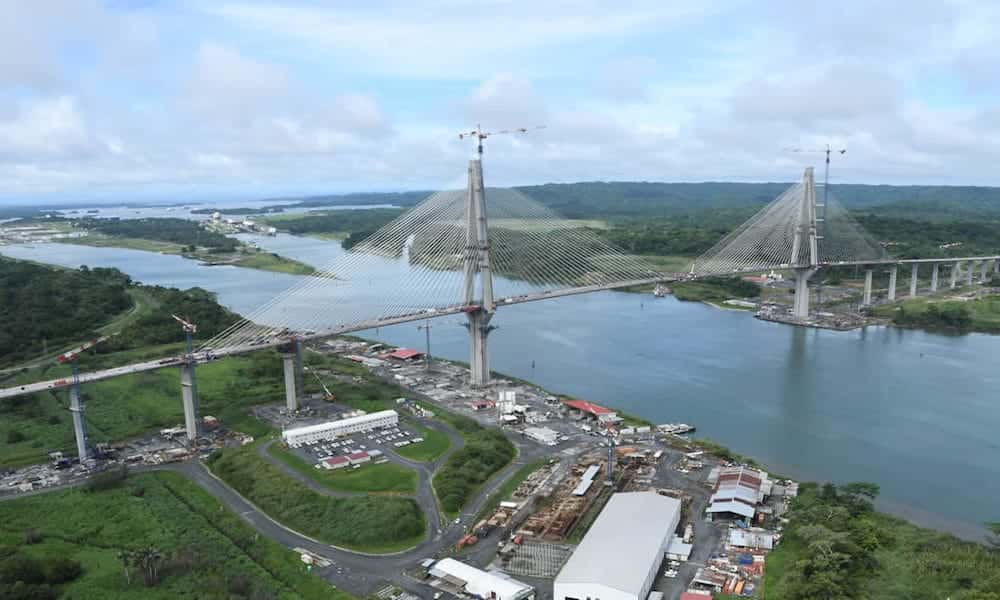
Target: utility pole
[[427, 332]]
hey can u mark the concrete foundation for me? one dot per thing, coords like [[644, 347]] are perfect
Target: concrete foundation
[[893, 272], [289, 362], [913, 280], [800, 306], [189, 394], [76, 407], [934, 277], [866, 298], [479, 365]]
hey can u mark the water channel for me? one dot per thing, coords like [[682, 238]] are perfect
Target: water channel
[[913, 411]]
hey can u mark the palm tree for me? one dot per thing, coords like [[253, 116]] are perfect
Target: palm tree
[[148, 559]]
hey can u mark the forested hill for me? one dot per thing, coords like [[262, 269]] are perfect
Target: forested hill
[[588, 200], [50, 309]]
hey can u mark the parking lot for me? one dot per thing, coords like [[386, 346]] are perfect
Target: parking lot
[[374, 443]]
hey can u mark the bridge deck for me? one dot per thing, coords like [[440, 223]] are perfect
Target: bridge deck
[[431, 313]]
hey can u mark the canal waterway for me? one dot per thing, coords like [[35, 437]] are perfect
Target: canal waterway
[[918, 413]]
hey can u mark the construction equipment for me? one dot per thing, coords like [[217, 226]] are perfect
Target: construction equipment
[[327, 394], [481, 135]]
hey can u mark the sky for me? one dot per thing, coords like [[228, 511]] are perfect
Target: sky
[[193, 100]]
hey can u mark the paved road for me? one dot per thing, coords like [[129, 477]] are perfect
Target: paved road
[[356, 572]]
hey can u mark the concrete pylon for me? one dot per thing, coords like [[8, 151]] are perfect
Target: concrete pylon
[[984, 270], [477, 260], [996, 266], [189, 394], [968, 274], [289, 362], [805, 233], [953, 279], [893, 272], [76, 407], [934, 276], [866, 298], [800, 304], [913, 280]]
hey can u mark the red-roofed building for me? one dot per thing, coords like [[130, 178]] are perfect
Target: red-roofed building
[[588, 408], [358, 458], [695, 596], [405, 354], [336, 462]]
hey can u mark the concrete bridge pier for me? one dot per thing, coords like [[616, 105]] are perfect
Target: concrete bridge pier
[[934, 277], [954, 275], [189, 394], [800, 305], [479, 364], [984, 271], [893, 271], [996, 266], [913, 280], [866, 299], [76, 407], [968, 274], [289, 361]]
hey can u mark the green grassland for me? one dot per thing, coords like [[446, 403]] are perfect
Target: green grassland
[[375, 524], [209, 552], [130, 405], [981, 314], [245, 256], [383, 478], [434, 445]]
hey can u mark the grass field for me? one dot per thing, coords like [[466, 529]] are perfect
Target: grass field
[[130, 405], [248, 258], [210, 553], [984, 313], [434, 445], [384, 478], [375, 524]]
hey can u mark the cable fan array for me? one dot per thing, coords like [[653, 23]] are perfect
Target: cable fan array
[[766, 240], [414, 265]]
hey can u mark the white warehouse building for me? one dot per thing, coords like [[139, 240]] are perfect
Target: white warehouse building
[[599, 569], [327, 431]]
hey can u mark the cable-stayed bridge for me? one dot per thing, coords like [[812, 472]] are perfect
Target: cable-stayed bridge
[[456, 254]]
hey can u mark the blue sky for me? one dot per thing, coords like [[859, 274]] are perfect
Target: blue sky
[[194, 100]]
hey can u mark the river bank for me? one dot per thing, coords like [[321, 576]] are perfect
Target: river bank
[[878, 404]]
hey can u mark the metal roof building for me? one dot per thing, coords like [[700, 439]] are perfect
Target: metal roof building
[[479, 583], [619, 556], [332, 429], [738, 490]]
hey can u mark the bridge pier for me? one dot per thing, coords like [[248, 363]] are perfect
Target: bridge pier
[[934, 276], [893, 271], [968, 274], [953, 281], [189, 394], [913, 280], [76, 407], [289, 361], [800, 305], [479, 365], [866, 299], [996, 266], [984, 270]]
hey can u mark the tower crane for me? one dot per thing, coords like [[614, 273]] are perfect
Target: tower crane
[[189, 330], [481, 135]]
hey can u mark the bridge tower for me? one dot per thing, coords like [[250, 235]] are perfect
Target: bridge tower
[[479, 311], [291, 361], [805, 237]]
